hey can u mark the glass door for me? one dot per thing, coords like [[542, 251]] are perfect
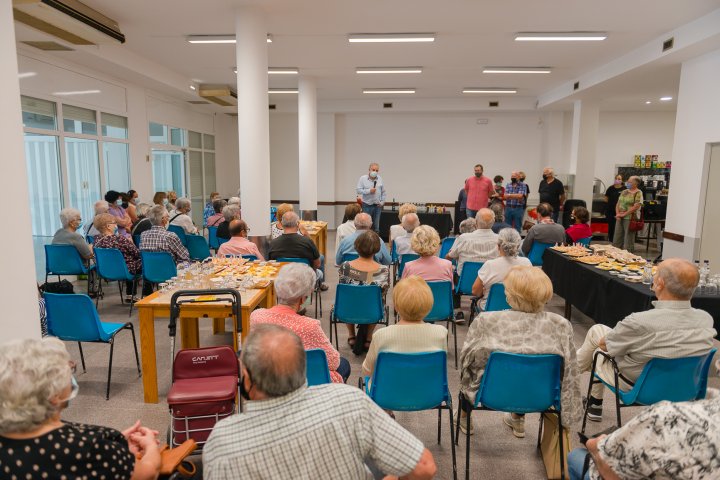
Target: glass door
[[83, 169], [45, 184], [169, 171]]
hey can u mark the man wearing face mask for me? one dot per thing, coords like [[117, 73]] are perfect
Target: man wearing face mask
[[108, 237], [371, 190], [552, 191], [515, 198], [288, 430], [479, 189]]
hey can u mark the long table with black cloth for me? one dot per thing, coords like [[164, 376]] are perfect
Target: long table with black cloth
[[442, 222], [605, 298]]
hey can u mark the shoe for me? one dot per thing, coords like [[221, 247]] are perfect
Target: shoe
[[594, 411], [517, 424], [324, 287], [463, 423], [459, 317]]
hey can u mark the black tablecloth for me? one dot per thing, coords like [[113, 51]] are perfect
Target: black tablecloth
[[442, 222], [605, 298]]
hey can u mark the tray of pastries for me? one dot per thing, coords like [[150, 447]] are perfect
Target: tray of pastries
[[592, 259]]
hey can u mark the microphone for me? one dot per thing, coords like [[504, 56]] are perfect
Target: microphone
[[375, 184]]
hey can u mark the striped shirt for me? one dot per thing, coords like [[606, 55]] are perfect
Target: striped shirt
[[157, 239], [325, 431], [478, 246]]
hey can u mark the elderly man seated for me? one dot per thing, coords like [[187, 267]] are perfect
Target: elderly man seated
[[363, 223], [545, 230], [402, 242], [181, 218], [292, 245], [238, 243], [230, 213], [672, 329], [478, 246], [287, 430], [158, 239]]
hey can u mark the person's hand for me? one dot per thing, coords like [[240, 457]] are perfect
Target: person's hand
[[602, 345], [373, 190], [142, 441], [137, 428]]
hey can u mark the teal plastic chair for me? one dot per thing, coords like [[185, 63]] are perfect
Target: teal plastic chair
[[442, 309], [516, 383], [536, 253], [446, 245], [681, 379], [65, 260], [350, 256], [111, 266], [412, 382], [136, 240], [198, 247], [213, 238], [497, 300], [405, 258], [158, 267], [318, 372], [180, 232], [584, 241], [359, 305], [252, 258], [464, 286], [73, 318]]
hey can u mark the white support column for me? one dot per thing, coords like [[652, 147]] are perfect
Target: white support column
[[253, 119], [18, 292], [583, 149], [308, 147]]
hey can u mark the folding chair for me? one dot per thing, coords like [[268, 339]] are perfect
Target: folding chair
[[180, 232], [213, 238], [496, 299]]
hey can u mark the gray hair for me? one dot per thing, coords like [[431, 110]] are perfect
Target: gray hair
[[484, 219], [101, 206], [363, 221], [290, 220], [295, 280], [32, 375], [467, 225], [679, 276], [142, 209], [69, 214], [182, 203], [231, 212], [156, 214], [410, 222], [499, 212], [275, 359], [234, 201], [509, 242]]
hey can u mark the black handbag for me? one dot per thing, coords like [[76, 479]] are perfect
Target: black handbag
[[63, 286]]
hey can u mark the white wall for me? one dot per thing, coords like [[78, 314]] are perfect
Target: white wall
[[227, 163]]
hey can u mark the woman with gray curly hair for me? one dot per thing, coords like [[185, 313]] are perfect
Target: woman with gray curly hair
[[293, 286], [36, 385], [495, 270]]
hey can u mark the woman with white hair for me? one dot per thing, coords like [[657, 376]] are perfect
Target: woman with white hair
[[495, 270], [467, 226], [101, 206], [181, 217], [71, 221], [230, 213], [108, 237], [398, 230], [293, 286], [410, 222], [426, 243], [143, 223], [36, 385]]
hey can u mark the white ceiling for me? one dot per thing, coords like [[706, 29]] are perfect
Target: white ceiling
[[312, 35]]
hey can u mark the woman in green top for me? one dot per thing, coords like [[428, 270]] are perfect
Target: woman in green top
[[627, 207]]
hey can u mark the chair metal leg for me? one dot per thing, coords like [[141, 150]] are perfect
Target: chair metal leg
[[467, 447], [457, 420], [112, 347], [562, 449], [452, 440], [331, 326], [82, 357], [337, 347], [135, 286], [137, 357], [120, 288], [454, 329], [320, 301], [617, 398], [589, 392], [540, 430], [439, 424]]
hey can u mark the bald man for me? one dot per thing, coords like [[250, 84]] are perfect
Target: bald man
[[288, 430], [672, 329], [239, 243]]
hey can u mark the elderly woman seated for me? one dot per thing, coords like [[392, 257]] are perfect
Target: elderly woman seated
[[106, 225], [72, 222], [217, 217], [397, 230], [293, 286], [426, 243], [158, 239], [413, 300], [36, 385], [467, 226], [347, 228], [181, 217], [580, 228], [526, 329], [143, 223], [410, 222], [495, 270], [276, 228], [230, 213], [101, 206]]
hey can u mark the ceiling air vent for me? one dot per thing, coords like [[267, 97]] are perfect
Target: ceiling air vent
[[49, 46], [387, 105], [493, 104], [576, 85], [668, 44], [222, 95], [198, 102], [272, 106]]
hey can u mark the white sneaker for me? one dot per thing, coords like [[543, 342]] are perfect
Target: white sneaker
[[463, 423], [517, 424]]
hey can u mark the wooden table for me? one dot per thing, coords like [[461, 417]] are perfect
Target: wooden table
[[317, 231], [157, 305]]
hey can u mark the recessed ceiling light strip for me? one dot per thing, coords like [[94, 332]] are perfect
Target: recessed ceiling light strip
[[488, 90], [388, 91], [391, 37], [389, 70], [200, 39], [560, 36], [517, 69]]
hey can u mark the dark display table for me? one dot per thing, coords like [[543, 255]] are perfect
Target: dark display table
[[442, 222], [605, 298]]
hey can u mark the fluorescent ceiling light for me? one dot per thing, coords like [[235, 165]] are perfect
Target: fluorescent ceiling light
[[282, 90], [217, 38], [388, 91], [390, 37], [517, 70], [388, 70], [560, 36], [648, 102], [489, 90], [26, 74], [77, 92], [282, 71], [665, 99], [193, 87]]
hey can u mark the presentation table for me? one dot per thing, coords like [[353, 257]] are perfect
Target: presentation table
[[442, 222], [604, 297]]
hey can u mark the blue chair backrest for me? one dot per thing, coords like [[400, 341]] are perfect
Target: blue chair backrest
[[350, 256], [536, 253], [584, 241], [514, 382], [90, 239], [63, 260], [213, 238], [111, 264], [136, 240], [318, 372], [467, 277], [158, 267], [410, 381], [673, 379], [220, 241], [179, 231], [250, 257], [359, 304], [446, 245], [405, 258], [393, 253], [73, 318], [496, 299], [442, 308], [197, 247], [293, 259]]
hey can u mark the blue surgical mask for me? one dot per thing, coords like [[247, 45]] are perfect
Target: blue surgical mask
[[628, 185], [79, 225], [165, 201], [115, 230], [373, 174], [74, 389]]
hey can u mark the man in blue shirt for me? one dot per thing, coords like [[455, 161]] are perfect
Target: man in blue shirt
[[362, 222], [515, 198], [371, 190], [209, 211]]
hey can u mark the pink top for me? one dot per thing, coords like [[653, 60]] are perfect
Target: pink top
[[430, 268], [578, 231], [478, 191], [308, 329], [240, 246]]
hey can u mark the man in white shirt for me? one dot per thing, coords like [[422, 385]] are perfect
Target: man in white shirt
[[348, 227], [410, 222], [181, 216], [478, 246], [371, 190]]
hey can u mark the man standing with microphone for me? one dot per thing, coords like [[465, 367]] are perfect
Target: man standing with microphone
[[371, 191]]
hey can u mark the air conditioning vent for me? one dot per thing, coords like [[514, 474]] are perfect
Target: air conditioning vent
[[49, 46], [668, 44], [222, 95]]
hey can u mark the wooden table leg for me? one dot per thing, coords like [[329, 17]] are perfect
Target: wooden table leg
[[189, 333], [568, 309], [147, 352], [218, 325]]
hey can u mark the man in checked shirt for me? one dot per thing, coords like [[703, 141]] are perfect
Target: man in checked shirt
[[288, 430]]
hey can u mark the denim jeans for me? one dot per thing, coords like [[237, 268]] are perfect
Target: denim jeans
[[374, 212], [344, 369], [576, 462], [514, 216], [470, 213]]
